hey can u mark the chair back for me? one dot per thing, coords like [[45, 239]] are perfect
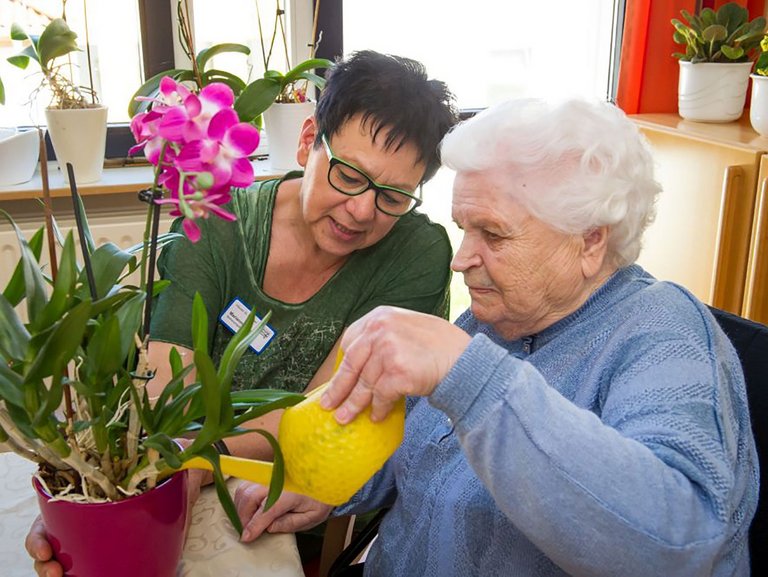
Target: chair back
[[750, 339]]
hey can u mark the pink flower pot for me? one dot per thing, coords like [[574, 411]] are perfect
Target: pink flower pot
[[141, 536]]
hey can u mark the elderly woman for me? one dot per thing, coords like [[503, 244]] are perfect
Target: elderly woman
[[581, 418]]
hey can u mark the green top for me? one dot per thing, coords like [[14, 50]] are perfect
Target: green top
[[407, 268]]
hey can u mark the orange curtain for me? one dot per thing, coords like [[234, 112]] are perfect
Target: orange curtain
[[647, 71]]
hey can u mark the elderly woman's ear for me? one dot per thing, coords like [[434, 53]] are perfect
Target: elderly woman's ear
[[594, 254]]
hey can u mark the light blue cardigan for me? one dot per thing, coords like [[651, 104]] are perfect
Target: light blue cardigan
[[615, 442]]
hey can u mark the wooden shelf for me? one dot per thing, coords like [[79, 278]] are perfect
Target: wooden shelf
[[738, 134], [113, 181]]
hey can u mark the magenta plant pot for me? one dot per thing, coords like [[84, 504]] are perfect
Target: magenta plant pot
[[141, 536]]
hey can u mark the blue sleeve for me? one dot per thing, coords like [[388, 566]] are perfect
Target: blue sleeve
[[644, 485]]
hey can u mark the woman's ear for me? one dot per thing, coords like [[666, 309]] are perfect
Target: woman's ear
[[594, 250], [306, 140]]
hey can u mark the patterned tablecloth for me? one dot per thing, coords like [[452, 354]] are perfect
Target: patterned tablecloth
[[212, 548]]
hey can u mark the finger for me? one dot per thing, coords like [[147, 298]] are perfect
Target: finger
[[359, 398], [36, 543], [356, 355], [261, 519], [298, 521], [248, 499], [381, 407], [49, 569]]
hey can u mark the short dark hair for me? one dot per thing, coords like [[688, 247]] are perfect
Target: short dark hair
[[391, 93]]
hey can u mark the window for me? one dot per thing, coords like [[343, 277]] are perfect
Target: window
[[493, 50], [115, 53]]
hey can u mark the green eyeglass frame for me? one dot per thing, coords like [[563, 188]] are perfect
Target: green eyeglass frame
[[390, 200]]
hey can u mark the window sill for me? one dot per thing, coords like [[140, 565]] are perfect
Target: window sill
[[116, 180]]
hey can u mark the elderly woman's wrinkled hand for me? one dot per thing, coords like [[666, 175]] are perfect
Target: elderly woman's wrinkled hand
[[290, 513], [388, 354]]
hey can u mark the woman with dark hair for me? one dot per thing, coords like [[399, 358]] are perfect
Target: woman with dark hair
[[319, 248]]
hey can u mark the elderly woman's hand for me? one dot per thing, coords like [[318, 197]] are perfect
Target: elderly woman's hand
[[388, 354], [291, 512]]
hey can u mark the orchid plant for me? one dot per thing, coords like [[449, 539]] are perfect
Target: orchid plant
[[73, 376]]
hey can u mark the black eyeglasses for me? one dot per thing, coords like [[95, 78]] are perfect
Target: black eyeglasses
[[350, 180]]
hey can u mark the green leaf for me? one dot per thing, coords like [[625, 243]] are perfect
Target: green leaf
[[80, 208], [199, 325], [318, 81], [732, 53], [732, 15], [150, 89], [237, 347], [129, 316], [61, 344], [231, 80], [17, 33], [206, 373], [108, 263], [10, 386], [163, 239], [19, 60], [56, 40], [285, 400], [167, 448], [14, 337], [210, 455], [305, 66], [34, 282], [256, 98], [714, 33], [103, 356], [63, 288], [207, 53], [278, 470], [14, 291], [2, 92]]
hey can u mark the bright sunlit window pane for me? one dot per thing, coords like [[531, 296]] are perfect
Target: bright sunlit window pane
[[493, 50], [239, 23], [113, 29]]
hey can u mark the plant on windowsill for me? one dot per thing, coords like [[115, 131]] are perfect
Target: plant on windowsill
[[73, 376], [264, 95], [714, 70], [77, 122]]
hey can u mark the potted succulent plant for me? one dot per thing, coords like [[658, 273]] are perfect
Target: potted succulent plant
[[77, 123], [720, 47], [73, 364]]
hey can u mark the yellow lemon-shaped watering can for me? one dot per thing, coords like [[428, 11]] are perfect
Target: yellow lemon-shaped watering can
[[323, 459]]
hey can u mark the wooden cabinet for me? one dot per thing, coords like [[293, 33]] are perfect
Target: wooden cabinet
[[710, 230]]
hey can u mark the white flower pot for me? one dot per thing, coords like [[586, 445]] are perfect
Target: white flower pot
[[283, 124], [758, 112], [79, 136], [19, 153], [712, 92]]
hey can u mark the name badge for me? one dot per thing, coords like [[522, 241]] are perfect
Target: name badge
[[233, 318]]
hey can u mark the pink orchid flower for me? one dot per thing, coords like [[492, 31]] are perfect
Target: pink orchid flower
[[206, 149]]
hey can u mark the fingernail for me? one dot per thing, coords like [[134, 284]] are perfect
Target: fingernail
[[342, 415], [246, 536], [325, 401]]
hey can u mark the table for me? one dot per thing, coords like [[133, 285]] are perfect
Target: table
[[212, 548]]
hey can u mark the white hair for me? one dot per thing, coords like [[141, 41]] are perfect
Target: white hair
[[600, 166]]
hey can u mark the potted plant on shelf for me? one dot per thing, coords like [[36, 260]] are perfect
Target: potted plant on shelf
[[720, 47], [19, 152], [73, 376], [758, 110], [77, 123], [283, 98]]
